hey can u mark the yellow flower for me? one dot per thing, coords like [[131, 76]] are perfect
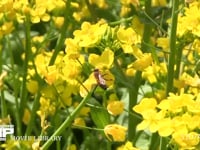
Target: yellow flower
[[137, 25], [192, 122], [115, 107], [128, 36], [151, 120], [130, 71], [39, 14], [143, 62], [5, 120], [150, 73], [124, 10], [145, 105], [46, 109], [66, 94], [26, 116], [36, 145], [51, 75], [163, 42], [165, 127], [72, 49], [128, 2], [2, 76], [87, 85], [72, 147], [194, 106], [175, 103], [81, 13], [79, 122], [115, 132], [6, 28], [186, 140], [71, 69], [190, 20], [99, 3], [88, 38], [32, 86], [159, 3], [58, 21], [128, 146], [104, 61], [84, 111]]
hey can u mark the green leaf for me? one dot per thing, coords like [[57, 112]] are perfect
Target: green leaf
[[100, 117]]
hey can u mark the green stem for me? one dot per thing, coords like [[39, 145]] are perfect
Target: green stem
[[67, 122], [16, 91], [121, 21], [147, 28], [172, 38], [163, 143], [2, 97], [3, 105], [61, 38], [27, 52], [33, 115], [133, 91], [178, 59]]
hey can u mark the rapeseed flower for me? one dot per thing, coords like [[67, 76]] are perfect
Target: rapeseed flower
[[39, 14], [145, 105], [115, 107], [143, 62], [152, 120], [32, 86], [115, 132], [47, 108], [128, 38], [104, 61], [189, 22], [72, 49], [154, 72], [91, 37], [99, 3], [71, 69], [87, 85], [2, 76], [159, 3], [79, 122], [127, 146]]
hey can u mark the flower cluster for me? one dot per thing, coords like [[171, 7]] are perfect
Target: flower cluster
[[177, 116]]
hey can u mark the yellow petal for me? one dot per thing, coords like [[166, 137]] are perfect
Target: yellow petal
[[115, 107]]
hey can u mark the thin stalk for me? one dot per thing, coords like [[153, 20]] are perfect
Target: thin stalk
[[121, 21], [27, 51], [2, 97], [163, 143], [133, 93], [134, 90], [61, 38], [3, 105], [88, 128], [1, 59], [33, 115], [173, 51], [16, 90], [178, 60], [67, 122]]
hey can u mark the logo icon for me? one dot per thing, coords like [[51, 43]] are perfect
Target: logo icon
[[6, 130]]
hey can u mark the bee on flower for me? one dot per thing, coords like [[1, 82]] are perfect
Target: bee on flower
[[100, 80]]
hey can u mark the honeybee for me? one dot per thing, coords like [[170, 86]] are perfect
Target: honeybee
[[100, 80]]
